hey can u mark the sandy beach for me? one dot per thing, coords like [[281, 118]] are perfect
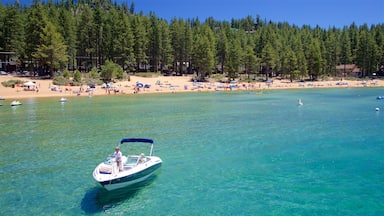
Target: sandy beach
[[160, 84]]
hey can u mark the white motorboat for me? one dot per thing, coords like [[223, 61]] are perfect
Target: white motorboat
[[63, 99], [16, 103], [134, 168]]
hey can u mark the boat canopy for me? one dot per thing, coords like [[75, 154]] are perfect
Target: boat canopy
[[144, 140]]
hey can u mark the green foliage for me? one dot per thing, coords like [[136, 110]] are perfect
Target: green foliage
[[77, 76], [314, 59], [110, 71], [147, 74], [88, 33], [66, 74], [94, 73], [11, 83], [52, 50], [119, 73], [60, 80], [181, 42], [219, 77], [13, 34], [268, 59], [203, 53], [368, 52]]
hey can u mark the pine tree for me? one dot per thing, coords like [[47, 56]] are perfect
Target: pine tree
[[203, 54], [52, 51]]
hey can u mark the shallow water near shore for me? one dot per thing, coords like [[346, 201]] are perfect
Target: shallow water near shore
[[224, 153]]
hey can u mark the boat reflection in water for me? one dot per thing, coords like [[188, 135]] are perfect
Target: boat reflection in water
[[98, 199]]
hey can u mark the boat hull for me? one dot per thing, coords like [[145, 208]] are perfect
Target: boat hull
[[126, 178], [130, 179]]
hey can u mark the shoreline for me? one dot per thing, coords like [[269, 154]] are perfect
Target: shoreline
[[162, 84]]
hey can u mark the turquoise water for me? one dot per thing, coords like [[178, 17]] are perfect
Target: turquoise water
[[239, 153]]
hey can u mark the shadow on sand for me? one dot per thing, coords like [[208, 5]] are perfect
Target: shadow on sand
[[98, 199]]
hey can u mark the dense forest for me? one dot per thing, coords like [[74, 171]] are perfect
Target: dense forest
[[50, 36]]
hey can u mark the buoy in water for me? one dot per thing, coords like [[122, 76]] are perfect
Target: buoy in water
[[299, 102]]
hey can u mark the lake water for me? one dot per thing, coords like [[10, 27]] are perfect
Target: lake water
[[238, 153]]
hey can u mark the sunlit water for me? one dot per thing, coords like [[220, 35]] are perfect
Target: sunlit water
[[238, 153]]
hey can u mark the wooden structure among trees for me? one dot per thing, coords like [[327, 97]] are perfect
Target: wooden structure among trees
[[348, 70], [7, 63]]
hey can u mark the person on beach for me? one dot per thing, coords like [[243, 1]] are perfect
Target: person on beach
[[117, 155]]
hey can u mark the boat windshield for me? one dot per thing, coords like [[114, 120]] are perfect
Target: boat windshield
[[132, 160], [110, 160]]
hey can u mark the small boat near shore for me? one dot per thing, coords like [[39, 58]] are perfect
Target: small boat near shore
[[16, 103], [63, 99], [134, 168]]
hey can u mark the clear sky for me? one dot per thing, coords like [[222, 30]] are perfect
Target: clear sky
[[325, 13]]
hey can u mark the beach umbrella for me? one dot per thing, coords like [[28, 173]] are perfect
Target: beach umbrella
[[29, 83], [140, 85]]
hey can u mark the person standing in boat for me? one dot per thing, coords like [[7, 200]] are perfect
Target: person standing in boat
[[117, 155]]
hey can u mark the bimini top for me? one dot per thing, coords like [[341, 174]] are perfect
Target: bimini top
[[144, 140]]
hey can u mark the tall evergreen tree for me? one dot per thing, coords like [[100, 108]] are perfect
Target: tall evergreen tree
[[367, 53], [52, 51], [332, 50], [300, 56], [181, 40], [13, 36], [268, 56], [68, 31], [346, 54], [378, 32], [250, 61], [235, 56], [165, 47], [291, 65], [85, 36], [155, 45], [2, 16], [100, 44], [124, 48], [314, 59], [36, 17], [203, 54], [222, 45], [141, 40]]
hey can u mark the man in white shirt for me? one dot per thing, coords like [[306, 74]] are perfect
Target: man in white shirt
[[117, 155]]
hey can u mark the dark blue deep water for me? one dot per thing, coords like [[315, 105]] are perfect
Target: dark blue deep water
[[238, 153]]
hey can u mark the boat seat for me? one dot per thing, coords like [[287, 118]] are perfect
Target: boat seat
[[105, 169]]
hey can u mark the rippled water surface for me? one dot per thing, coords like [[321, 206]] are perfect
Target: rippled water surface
[[238, 153]]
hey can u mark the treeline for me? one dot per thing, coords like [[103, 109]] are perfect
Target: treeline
[[84, 34]]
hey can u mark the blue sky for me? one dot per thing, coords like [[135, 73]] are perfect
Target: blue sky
[[325, 13]]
